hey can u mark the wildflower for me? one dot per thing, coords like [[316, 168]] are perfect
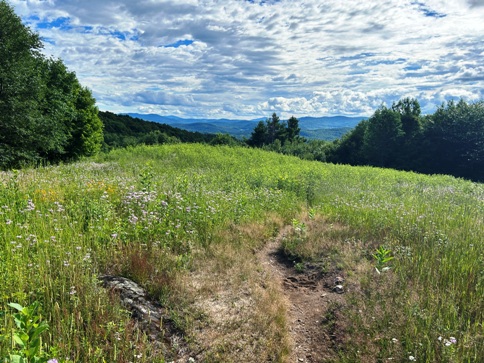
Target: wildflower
[[412, 358], [52, 361], [133, 219], [73, 290], [450, 341], [9, 221], [30, 205]]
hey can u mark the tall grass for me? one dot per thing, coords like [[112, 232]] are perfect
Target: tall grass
[[148, 212]]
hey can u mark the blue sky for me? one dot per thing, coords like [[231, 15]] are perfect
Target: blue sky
[[249, 58]]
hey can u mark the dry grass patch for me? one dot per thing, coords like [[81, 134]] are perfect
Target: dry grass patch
[[244, 312]]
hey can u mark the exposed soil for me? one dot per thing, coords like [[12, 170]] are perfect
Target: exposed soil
[[314, 298]]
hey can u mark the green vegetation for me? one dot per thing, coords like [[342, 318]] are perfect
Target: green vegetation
[[187, 222], [45, 114], [183, 221], [450, 141], [273, 130], [124, 130], [27, 335]]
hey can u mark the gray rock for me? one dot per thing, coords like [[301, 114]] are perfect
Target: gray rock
[[150, 316], [339, 289]]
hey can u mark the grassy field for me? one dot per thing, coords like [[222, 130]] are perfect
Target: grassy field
[[184, 221]]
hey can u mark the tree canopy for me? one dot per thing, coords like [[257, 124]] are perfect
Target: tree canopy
[[46, 115], [273, 130], [450, 141]]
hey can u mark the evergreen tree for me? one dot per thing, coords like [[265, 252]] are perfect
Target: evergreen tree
[[272, 130], [293, 130], [259, 136], [275, 130]]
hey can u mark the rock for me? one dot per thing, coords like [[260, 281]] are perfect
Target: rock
[[339, 289], [338, 280], [151, 317]]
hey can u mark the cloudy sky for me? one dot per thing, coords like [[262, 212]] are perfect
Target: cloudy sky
[[249, 58]]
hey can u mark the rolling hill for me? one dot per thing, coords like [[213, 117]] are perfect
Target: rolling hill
[[322, 128]]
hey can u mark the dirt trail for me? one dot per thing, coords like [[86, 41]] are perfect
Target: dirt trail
[[313, 301]]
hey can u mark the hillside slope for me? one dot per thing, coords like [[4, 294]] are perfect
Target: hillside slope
[[224, 241]]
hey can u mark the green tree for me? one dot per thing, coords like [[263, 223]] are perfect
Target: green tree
[[45, 114], [383, 138], [259, 136], [455, 140], [275, 129], [272, 130], [20, 89], [349, 149], [224, 139], [293, 129], [409, 110], [85, 128]]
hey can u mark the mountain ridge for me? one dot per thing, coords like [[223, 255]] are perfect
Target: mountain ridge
[[324, 128]]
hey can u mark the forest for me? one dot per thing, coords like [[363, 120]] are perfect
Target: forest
[[124, 131], [449, 141]]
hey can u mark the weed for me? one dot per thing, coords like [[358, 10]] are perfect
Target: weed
[[299, 267], [27, 335], [382, 257]]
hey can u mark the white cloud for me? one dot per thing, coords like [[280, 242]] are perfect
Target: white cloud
[[250, 58]]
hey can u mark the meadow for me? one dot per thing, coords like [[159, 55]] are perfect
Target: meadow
[[185, 221]]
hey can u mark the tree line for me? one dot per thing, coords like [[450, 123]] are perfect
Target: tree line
[[46, 115], [449, 141], [123, 131]]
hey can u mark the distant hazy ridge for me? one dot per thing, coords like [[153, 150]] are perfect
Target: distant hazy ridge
[[323, 128]]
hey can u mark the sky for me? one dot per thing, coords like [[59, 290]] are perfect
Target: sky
[[245, 59]]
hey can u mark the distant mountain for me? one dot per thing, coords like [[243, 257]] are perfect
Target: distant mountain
[[323, 128]]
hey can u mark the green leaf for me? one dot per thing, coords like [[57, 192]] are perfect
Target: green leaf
[[16, 359], [16, 306], [18, 340]]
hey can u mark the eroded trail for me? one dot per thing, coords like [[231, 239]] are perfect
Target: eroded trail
[[314, 299]]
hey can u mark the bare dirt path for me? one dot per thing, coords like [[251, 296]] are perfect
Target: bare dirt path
[[313, 304]]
